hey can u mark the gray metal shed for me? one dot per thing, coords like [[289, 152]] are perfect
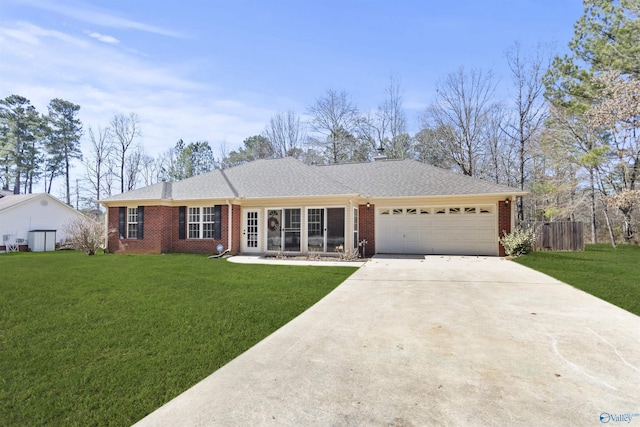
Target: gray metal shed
[[42, 240]]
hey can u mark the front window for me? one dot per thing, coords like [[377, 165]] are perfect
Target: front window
[[201, 222], [194, 223], [208, 222], [132, 223]]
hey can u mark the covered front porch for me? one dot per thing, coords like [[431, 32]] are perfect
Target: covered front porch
[[300, 229]]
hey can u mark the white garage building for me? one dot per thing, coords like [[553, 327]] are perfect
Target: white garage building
[[33, 221]]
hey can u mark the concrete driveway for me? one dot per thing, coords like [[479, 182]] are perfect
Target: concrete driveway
[[431, 341]]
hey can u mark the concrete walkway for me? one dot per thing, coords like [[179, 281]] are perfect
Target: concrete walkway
[[323, 262], [431, 341]]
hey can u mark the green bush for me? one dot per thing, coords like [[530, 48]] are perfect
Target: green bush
[[519, 242]]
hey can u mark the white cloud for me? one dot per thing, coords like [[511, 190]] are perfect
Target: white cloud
[[32, 34], [41, 64], [103, 38], [92, 15]]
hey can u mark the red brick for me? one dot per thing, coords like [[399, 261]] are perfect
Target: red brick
[[161, 233], [367, 231], [504, 222]]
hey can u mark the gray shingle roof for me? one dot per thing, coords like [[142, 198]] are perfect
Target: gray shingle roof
[[402, 178], [288, 177], [285, 177]]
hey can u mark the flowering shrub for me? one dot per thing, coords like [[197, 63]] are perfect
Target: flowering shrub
[[519, 241], [84, 234]]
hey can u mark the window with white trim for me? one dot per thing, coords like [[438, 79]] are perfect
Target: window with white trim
[[201, 222], [208, 222], [132, 223]]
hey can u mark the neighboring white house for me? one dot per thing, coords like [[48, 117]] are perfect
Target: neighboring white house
[[35, 214]]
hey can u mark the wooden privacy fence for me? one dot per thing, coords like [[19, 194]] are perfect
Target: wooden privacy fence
[[558, 235]]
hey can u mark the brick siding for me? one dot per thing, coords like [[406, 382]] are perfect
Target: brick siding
[[367, 228], [161, 233], [504, 222], [236, 233]]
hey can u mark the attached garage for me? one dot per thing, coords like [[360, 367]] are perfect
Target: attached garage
[[446, 230]]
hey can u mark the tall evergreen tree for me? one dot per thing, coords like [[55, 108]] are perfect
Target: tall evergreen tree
[[606, 39], [63, 142], [19, 137]]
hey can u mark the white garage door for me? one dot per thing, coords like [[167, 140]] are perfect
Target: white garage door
[[450, 230]]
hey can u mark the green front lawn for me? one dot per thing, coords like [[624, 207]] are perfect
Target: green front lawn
[[105, 340], [610, 274]]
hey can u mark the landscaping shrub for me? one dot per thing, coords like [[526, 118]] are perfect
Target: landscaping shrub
[[519, 242]]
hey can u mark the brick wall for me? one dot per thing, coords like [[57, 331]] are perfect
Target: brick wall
[[161, 233], [504, 222], [367, 228], [236, 232]]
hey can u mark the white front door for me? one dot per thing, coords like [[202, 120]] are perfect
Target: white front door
[[251, 231]]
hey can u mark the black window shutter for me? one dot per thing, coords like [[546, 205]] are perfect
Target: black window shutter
[[122, 222], [217, 224], [182, 223], [140, 226]]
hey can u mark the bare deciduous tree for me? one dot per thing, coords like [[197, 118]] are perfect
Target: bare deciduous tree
[[132, 167], [530, 109], [286, 134], [616, 111], [150, 169], [461, 107], [96, 163], [386, 129], [125, 128], [335, 117]]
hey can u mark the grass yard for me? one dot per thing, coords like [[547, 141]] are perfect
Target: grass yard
[[105, 340], [610, 274]]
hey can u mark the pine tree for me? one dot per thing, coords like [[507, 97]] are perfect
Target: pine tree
[[63, 142]]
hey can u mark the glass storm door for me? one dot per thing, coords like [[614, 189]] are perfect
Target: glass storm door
[[283, 229], [335, 229], [316, 230], [291, 227], [325, 229], [251, 231]]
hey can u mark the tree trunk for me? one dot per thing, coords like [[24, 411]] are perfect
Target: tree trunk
[[606, 216], [50, 182], [627, 226], [66, 172], [592, 187], [122, 160]]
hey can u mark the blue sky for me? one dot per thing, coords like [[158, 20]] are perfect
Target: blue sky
[[218, 70]]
